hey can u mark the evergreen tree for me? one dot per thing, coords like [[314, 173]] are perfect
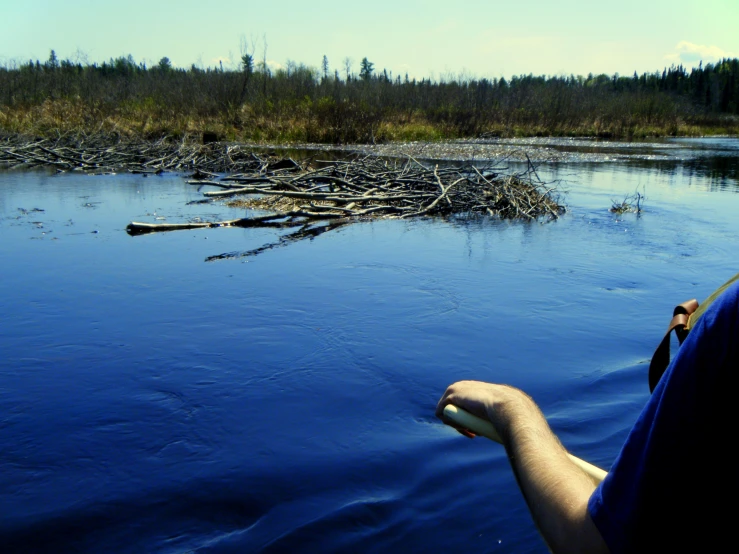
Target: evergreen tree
[[53, 62], [324, 66], [366, 69], [164, 64], [247, 64]]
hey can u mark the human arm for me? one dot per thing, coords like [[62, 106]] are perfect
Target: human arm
[[555, 489]]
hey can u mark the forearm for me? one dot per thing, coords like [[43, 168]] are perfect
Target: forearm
[[555, 489]]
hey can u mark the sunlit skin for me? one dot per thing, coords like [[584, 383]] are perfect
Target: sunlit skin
[[555, 489]]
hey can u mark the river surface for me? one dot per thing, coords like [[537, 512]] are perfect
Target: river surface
[[151, 401]]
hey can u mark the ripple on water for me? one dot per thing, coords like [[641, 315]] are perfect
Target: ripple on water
[[153, 402]]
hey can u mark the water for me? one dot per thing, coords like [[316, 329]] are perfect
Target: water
[[153, 402]]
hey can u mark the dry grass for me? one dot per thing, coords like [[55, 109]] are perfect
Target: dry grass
[[151, 121]]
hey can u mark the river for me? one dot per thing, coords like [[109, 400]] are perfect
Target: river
[[151, 401]]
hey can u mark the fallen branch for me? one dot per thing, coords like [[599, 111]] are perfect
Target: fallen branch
[[138, 228]]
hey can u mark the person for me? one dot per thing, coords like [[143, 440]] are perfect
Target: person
[[671, 487]]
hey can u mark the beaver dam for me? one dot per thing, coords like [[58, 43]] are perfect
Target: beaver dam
[[313, 196]]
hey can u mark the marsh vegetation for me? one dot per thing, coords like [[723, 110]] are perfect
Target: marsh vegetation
[[251, 102]]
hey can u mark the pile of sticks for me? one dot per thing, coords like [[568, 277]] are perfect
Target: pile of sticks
[[105, 153], [325, 195], [315, 196], [370, 187]]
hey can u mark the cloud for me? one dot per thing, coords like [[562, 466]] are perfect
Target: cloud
[[689, 53], [274, 66]]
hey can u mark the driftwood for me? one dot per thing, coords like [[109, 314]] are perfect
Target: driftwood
[[372, 187], [137, 228], [336, 193], [313, 196], [104, 153]]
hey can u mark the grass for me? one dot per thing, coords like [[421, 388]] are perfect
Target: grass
[[149, 120]]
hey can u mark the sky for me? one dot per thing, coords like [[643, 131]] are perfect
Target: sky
[[436, 39]]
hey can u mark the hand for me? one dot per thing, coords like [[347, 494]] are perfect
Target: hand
[[498, 404]]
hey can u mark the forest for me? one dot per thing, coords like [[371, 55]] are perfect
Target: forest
[[255, 103]]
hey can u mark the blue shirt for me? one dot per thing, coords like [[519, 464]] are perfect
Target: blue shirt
[[672, 485]]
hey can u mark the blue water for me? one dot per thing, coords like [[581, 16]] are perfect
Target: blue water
[[153, 402]]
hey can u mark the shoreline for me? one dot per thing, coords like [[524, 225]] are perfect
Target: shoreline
[[282, 134]]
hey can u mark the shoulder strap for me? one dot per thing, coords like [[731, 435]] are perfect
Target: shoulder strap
[[684, 317], [661, 358]]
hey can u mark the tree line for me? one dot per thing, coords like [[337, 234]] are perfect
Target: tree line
[[301, 103]]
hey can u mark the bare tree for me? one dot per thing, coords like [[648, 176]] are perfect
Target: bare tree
[[80, 57], [247, 64], [290, 67], [247, 46], [348, 62], [264, 65]]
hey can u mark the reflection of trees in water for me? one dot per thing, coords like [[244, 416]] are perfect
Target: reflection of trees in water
[[723, 171], [720, 172]]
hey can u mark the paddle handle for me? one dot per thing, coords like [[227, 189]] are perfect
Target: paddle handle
[[484, 428]]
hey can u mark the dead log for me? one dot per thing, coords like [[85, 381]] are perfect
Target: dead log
[[138, 228]]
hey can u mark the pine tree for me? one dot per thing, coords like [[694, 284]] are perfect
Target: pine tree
[[53, 62], [324, 66], [164, 64], [366, 69]]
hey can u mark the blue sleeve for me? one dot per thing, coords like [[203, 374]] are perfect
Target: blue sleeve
[[666, 488]]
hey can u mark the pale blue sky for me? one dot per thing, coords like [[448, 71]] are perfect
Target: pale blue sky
[[434, 38]]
